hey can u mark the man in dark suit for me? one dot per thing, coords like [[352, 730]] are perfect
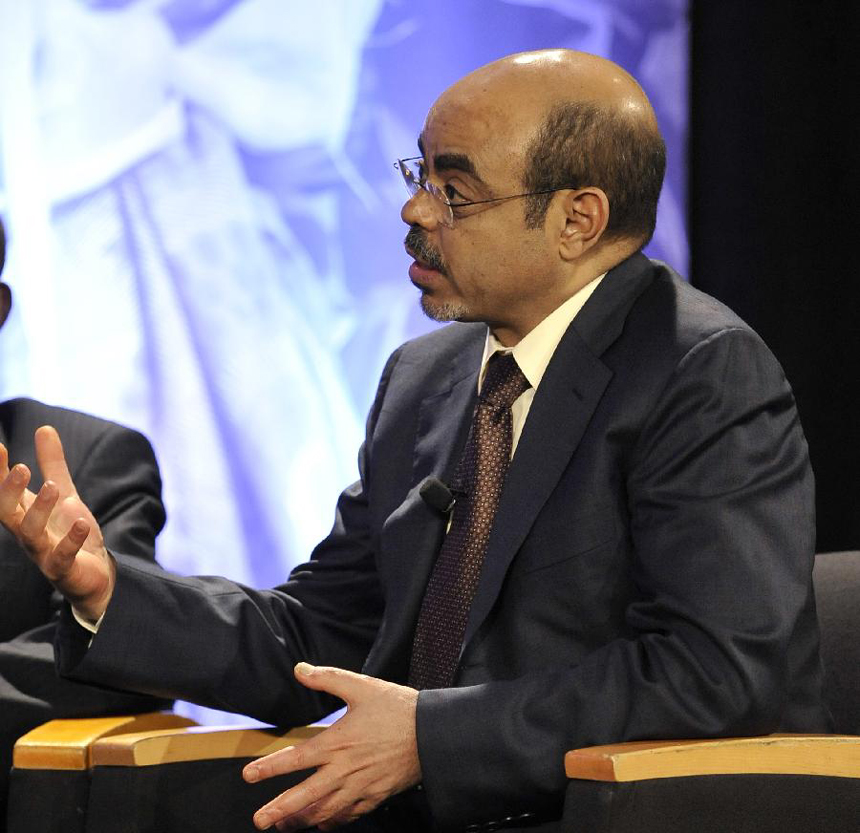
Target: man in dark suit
[[117, 477], [630, 550]]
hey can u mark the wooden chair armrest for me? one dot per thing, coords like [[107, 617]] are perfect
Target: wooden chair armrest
[[827, 755], [67, 744], [194, 743]]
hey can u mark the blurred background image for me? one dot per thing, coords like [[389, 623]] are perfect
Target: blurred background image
[[204, 231], [205, 241]]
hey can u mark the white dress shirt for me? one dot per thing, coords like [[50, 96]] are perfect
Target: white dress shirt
[[534, 351]]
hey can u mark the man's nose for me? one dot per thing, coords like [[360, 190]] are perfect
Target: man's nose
[[420, 210]]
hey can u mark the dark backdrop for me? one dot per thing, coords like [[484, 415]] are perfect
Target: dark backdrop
[[774, 214]]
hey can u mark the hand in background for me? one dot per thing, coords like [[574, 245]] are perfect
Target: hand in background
[[368, 755], [56, 528]]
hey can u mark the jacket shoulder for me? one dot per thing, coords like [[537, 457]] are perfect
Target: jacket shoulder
[[671, 318], [19, 419], [679, 308], [447, 341]]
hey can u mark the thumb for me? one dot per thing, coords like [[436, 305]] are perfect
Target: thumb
[[346, 685], [52, 459]]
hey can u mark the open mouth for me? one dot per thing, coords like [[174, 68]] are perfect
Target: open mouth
[[422, 273]]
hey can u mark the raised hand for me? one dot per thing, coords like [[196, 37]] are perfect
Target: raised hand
[[55, 527], [368, 755]]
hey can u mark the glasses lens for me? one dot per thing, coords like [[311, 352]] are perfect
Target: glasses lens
[[411, 174], [446, 215]]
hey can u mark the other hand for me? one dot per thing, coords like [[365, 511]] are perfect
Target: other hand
[[56, 528], [368, 755]]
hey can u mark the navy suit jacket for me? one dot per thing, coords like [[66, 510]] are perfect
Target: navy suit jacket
[[648, 574], [117, 476]]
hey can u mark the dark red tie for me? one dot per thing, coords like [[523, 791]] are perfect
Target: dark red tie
[[478, 483]]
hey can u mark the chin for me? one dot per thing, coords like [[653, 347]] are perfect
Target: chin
[[443, 310]]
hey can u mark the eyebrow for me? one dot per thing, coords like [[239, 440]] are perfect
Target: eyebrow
[[456, 162], [453, 162]]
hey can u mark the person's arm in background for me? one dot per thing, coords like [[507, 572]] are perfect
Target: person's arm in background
[[119, 480], [117, 475], [182, 643]]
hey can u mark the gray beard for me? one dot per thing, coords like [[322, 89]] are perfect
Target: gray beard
[[442, 312]]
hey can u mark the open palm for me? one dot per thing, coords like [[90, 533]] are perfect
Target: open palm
[[56, 528]]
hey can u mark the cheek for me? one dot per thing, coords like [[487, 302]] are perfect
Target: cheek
[[490, 261], [475, 248]]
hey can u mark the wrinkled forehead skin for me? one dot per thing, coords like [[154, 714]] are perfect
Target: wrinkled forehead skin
[[493, 113]]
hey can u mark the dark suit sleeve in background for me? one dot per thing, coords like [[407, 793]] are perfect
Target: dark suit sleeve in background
[[117, 476]]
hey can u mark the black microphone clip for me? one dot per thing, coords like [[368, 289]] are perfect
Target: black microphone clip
[[437, 495]]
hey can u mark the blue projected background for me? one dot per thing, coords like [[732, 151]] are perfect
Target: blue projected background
[[204, 232]]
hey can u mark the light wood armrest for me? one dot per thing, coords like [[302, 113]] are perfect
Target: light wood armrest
[[66, 744], [830, 755], [196, 743]]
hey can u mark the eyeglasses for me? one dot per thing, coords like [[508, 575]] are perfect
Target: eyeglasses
[[414, 175]]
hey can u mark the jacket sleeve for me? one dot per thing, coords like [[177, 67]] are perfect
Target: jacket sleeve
[[118, 477], [221, 644]]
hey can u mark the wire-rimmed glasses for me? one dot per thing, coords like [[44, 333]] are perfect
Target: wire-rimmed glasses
[[413, 171]]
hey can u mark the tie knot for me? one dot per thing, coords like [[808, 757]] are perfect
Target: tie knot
[[503, 382]]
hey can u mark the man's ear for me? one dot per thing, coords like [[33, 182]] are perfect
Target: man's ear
[[585, 217], [5, 302]]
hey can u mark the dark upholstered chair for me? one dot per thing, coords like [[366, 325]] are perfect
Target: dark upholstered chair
[[775, 784], [51, 770], [190, 778], [157, 773], [183, 779], [837, 592]]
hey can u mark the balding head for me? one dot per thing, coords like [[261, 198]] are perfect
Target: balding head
[[537, 81], [540, 172], [571, 119]]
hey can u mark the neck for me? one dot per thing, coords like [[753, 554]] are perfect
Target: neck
[[511, 333]]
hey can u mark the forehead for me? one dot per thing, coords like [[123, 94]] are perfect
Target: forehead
[[480, 128]]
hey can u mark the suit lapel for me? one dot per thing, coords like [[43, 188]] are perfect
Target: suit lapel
[[414, 531], [570, 390], [444, 417]]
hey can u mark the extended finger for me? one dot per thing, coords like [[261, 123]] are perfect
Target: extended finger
[[324, 816], [289, 759], [11, 490], [299, 806], [27, 496], [52, 459], [299, 821], [62, 557], [331, 812], [36, 518], [347, 815], [347, 685]]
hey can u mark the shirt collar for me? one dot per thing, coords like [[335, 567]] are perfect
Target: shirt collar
[[534, 351]]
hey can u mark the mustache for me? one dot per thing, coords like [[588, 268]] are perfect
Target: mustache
[[416, 242]]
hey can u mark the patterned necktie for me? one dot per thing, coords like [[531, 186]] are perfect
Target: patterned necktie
[[478, 480]]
